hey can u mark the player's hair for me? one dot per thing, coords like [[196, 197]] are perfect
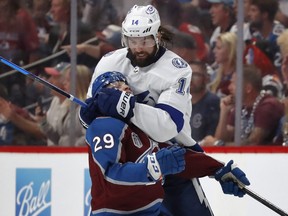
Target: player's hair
[[166, 36]]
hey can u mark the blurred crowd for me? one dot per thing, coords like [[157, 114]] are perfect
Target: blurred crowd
[[37, 33]]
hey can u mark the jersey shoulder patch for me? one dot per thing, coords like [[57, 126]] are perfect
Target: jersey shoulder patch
[[179, 63]]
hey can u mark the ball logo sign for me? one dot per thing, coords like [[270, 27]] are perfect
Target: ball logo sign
[[33, 192]]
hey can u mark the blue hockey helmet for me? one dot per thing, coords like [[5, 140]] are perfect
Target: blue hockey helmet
[[105, 79]]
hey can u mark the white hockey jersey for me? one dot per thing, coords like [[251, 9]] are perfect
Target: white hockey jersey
[[164, 84]]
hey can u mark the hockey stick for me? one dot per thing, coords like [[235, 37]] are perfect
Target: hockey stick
[[256, 196], [264, 201], [46, 83]]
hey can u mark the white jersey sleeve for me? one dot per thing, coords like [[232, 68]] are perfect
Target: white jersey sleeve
[[163, 105]]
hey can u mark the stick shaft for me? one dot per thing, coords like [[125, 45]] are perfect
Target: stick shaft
[[46, 83], [256, 196], [264, 202]]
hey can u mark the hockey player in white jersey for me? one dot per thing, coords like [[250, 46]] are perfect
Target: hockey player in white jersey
[[161, 106]]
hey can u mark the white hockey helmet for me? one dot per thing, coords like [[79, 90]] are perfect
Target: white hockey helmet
[[141, 21]]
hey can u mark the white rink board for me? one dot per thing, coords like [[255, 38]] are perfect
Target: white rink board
[[268, 174]]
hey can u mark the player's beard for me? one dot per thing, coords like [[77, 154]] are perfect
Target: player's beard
[[142, 62]]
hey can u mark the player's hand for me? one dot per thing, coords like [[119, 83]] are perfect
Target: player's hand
[[115, 103], [229, 176], [89, 113], [165, 162]]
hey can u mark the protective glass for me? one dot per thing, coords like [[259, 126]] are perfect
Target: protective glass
[[139, 42]]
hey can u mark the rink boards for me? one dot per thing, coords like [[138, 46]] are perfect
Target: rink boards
[[55, 181]]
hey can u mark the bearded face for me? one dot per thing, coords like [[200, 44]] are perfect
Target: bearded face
[[142, 58]]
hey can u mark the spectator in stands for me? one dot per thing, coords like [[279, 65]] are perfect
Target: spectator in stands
[[109, 40], [246, 6], [246, 27], [184, 45], [48, 120], [183, 17], [282, 134], [261, 55], [17, 127], [223, 18], [18, 42], [98, 14], [57, 128], [282, 14], [54, 125], [283, 44], [6, 127], [273, 85], [40, 13], [190, 23], [205, 105], [169, 11], [55, 111], [35, 90], [60, 33], [263, 25], [225, 57], [18, 32], [259, 117]]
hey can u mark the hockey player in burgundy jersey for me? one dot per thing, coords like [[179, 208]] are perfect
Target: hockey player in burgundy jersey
[[160, 79], [127, 167]]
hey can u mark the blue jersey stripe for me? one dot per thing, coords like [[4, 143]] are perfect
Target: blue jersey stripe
[[175, 114]]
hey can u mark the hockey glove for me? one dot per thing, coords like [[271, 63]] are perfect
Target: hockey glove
[[89, 113], [165, 162], [229, 176], [115, 103]]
